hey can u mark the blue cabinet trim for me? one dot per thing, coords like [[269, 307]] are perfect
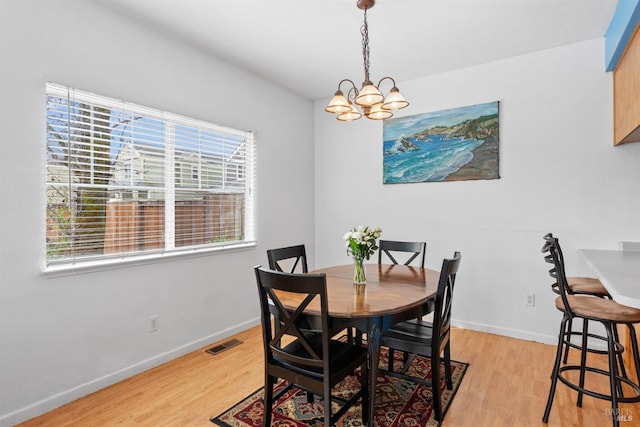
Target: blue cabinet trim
[[623, 24]]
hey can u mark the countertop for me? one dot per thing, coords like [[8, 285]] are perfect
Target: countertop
[[619, 272]]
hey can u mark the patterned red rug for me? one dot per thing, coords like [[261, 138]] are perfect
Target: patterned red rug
[[399, 403]]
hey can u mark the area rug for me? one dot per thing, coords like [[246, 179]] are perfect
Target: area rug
[[399, 403]]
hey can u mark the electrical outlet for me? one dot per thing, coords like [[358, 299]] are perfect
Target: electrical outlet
[[530, 299], [154, 323]]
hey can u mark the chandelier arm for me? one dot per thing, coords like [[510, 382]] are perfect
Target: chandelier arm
[[385, 78], [353, 92], [353, 85]]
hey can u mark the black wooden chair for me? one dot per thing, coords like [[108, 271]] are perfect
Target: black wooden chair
[[296, 255], [312, 362], [293, 259], [429, 339], [392, 247], [610, 315], [409, 251]]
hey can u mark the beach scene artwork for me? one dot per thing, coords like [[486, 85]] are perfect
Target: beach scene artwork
[[449, 145]]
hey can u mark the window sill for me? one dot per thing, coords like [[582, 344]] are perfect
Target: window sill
[[81, 267]]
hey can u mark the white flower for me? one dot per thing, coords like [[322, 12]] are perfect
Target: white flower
[[361, 242]]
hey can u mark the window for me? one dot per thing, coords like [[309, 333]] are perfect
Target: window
[[125, 180]]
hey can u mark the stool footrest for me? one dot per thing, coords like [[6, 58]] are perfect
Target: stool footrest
[[617, 347], [621, 399]]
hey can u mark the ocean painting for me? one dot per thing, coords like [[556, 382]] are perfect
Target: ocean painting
[[449, 145]]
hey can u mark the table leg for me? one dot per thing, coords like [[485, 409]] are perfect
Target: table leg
[[373, 344]]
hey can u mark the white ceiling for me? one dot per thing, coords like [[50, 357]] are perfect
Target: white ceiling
[[310, 45]]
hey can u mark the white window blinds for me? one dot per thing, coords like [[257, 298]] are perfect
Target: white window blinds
[[125, 180]]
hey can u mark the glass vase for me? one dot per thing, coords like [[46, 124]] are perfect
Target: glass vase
[[359, 276]]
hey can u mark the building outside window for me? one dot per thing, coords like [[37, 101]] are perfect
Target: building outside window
[[124, 180]]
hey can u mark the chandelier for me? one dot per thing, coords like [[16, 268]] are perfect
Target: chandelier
[[369, 98]]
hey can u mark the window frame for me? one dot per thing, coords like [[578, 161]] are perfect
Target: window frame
[[169, 250]]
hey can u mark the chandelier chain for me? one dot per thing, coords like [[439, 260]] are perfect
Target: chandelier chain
[[365, 46]]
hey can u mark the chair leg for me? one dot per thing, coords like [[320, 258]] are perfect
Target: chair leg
[[364, 383], [327, 413], [569, 331], [447, 366], [583, 359], [635, 352], [620, 361], [268, 400], [613, 375], [556, 370], [390, 361], [435, 387], [328, 419]]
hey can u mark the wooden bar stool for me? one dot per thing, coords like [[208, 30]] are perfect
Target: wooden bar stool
[[608, 313], [590, 286]]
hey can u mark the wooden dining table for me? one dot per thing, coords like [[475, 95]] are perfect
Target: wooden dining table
[[392, 294]]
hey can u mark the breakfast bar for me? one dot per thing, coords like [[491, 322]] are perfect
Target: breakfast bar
[[619, 272]]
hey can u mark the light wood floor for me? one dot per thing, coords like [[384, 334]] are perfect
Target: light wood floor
[[506, 385]]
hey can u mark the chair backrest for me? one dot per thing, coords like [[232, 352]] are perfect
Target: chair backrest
[[557, 272], [295, 254], [444, 297], [552, 246], [415, 249], [548, 238], [304, 355]]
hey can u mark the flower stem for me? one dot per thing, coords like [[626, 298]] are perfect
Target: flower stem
[[358, 270]]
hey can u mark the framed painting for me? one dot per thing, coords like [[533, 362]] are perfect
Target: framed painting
[[449, 145]]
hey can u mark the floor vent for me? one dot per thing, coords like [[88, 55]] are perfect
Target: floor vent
[[224, 346]]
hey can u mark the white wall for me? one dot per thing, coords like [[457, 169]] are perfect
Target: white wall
[[559, 173], [61, 338]]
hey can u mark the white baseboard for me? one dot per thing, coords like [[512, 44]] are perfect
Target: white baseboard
[[630, 246], [81, 390], [507, 332]]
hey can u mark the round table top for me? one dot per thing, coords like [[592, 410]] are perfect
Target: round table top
[[389, 289]]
